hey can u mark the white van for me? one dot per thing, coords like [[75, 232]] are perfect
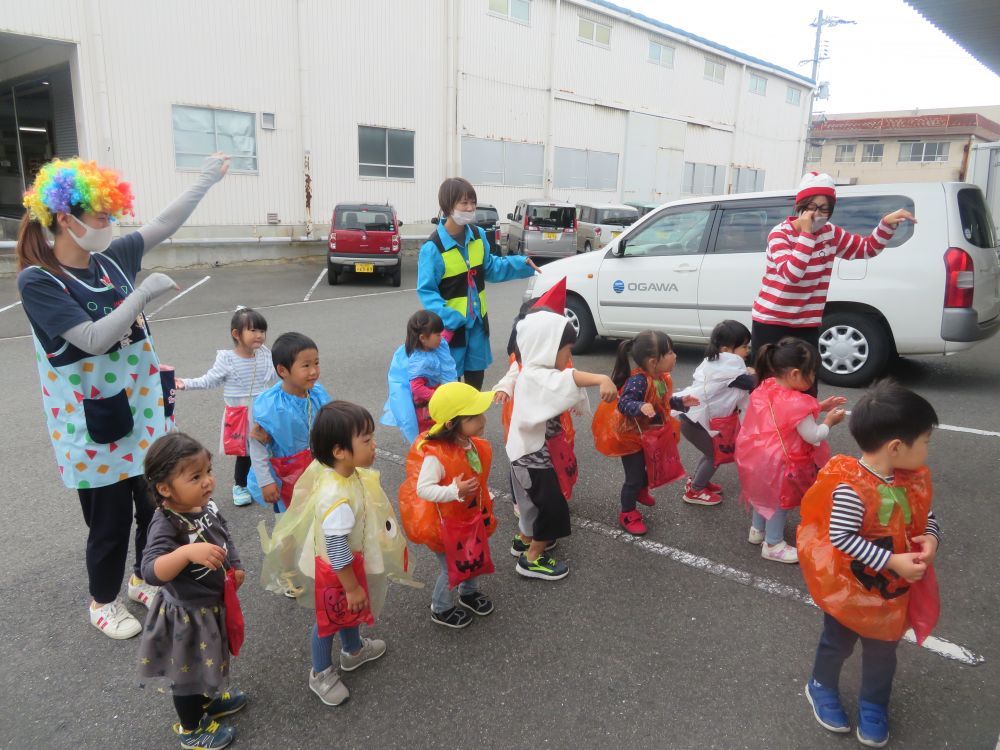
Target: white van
[[599, 223], [690, 264]]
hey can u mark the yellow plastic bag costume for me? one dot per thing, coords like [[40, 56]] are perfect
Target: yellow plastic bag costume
[[290, 550]]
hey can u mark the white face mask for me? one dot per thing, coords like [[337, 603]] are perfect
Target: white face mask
[[818, 224], [93, 240], [463, 217]]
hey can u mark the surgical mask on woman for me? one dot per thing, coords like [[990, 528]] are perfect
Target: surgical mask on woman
[[93, 240], [463, 217], [819, 223]]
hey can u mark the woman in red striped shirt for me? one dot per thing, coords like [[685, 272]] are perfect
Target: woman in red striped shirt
[[800, 255]]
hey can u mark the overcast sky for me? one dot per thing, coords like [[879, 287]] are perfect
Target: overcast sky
[[890, 59]]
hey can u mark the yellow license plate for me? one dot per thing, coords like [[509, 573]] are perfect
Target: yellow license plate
[[364, 268], [615, 234], [550, 236]]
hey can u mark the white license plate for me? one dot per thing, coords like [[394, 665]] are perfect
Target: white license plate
[[550, 235], [364, 268]]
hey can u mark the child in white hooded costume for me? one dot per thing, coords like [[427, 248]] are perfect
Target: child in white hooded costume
[[543, 391]]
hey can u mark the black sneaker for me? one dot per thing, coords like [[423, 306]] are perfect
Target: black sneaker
[[453, 618], [477, 603], [226, 704], [544, 568], [519, 547]]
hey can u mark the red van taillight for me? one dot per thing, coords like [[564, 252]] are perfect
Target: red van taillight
[[528, 227], [496, 235], [395, 243], [960, 278], [333, 240], [573, 228]]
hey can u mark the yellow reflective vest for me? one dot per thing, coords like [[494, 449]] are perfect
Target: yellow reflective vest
[[459, 276]]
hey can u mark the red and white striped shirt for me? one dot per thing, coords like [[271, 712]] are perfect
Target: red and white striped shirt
[[797, 278]]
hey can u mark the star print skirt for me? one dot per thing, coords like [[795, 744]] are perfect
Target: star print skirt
[[184, 648]]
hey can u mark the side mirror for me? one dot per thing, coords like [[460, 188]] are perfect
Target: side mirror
[[399, 222], [435, 220], [620, 248], [510, 217]]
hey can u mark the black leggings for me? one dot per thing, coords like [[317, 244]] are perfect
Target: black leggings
[[242, 471], [635, 479], [190, 709], [767, 333], [475, 378]]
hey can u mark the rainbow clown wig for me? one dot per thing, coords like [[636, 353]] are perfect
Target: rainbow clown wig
[[62, 185]]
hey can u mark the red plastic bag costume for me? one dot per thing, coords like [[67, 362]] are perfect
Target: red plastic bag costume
[[872, 604], [776, 466], [617, 435], [422, 519]]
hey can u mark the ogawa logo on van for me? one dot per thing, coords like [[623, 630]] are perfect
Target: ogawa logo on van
[[643, 286]]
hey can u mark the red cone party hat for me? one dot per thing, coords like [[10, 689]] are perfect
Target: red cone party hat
[[555, 298]]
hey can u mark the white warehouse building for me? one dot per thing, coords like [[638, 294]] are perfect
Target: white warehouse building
[[577, 100]]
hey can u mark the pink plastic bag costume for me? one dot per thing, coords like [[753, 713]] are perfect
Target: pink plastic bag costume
[[776, 466]]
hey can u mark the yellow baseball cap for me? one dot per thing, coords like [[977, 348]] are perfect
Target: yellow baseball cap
[[456, 400]]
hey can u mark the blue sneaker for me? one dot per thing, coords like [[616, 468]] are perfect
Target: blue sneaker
[[241, 496], [873, 724], [226, 704], [826, 707]]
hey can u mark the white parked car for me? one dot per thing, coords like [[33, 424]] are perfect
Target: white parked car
[[690, 264]]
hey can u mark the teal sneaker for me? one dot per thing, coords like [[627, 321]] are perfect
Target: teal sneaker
[[241, 496]]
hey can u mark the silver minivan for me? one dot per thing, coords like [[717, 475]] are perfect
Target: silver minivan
[[599, 223], [546, 229]]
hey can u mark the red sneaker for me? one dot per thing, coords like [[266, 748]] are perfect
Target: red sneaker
[[632, 523], [701, 497], [645, 498], [711, 487]]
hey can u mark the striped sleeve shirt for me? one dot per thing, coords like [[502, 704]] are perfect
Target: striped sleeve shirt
[[797, 276], [845, 522], [239, 377]]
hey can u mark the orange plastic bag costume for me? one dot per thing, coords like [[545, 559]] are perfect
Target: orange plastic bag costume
[[420, 518], [776, 466], [617, 435], [872, 604]]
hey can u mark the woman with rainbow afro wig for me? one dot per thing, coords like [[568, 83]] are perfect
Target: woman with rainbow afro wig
[[101, 385]]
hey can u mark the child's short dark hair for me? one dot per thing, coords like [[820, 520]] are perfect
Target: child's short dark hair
[[421, 323], [888, 411], [790, 353], [246, 319], [287, 347], [453, 190], [568, 336], [165, 457], [730, 334], [336, 425]]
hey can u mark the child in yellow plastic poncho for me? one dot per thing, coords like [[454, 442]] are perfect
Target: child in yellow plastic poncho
[[340, 538]]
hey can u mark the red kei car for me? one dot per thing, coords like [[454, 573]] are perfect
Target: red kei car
[[364, 239]]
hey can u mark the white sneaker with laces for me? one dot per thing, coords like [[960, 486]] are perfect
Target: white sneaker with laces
[[756, 537], [140, 591], [115, 621], [781, 552]]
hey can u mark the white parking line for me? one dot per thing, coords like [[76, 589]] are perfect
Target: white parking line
[[8, 307], [177, 297], [968, 430], [939, 646], [315, 284]]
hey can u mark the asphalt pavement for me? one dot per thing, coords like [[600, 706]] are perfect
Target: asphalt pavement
[[683, 639]]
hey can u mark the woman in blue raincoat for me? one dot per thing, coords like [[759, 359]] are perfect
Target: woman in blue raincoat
[[101, 381], [452, 270]]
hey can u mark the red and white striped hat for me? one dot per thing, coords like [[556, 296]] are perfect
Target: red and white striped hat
[[815, 183]]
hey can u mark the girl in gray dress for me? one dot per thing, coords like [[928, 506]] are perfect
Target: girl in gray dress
[[190, 555]]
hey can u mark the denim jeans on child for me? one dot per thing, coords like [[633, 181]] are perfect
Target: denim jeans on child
[[878, 661], [773, 527], [322, 658], [441, 600]]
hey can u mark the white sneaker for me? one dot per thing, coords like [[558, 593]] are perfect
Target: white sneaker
[[140, 591], [756, 537], [115, 621], [781, 552]]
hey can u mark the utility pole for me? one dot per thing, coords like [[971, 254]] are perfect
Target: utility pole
[[819, 23]]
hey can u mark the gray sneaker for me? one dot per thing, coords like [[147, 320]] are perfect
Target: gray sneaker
[[371, 650], [328, 687]]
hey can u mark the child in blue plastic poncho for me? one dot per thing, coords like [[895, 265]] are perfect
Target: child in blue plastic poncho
[[418, 367]]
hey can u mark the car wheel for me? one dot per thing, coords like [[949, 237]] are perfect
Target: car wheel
[[397, 276], [854, 349], [332, 277], [580, 318]]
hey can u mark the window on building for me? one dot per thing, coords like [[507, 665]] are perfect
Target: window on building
[[661, 54], [486, 161], [758, 84], [200, 131], [793, 96], [923, 151], [844, 152], [593, 31], [715, 71], [872, 152], [384, 152], [589, 170], [814, 152], [747, 180], [703, 179], [519, 10]]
